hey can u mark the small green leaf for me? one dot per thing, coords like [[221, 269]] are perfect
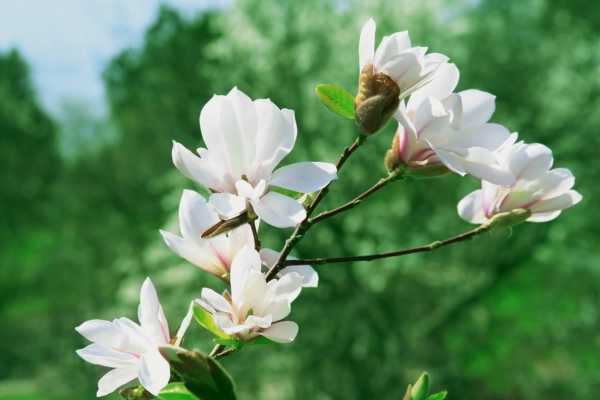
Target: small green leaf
[[337, 99], [176, 391], [206, 320], [438, 396], [260, 340]]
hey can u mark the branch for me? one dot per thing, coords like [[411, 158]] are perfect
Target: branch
[[254, 235], [419, 249], [306, 224], [358, 199]]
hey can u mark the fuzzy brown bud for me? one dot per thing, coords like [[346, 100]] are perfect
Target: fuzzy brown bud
[[377, 99]]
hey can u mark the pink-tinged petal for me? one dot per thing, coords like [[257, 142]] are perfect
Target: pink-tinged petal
[[107, 357], [195, 168], [154, 372], [281, 332], [151, 315], [470, 208], [366, 45], [114, 379], [477, 107], [304, 177], [279, 211], [561, 202], [200, 256], [195, 216], [227, 205]]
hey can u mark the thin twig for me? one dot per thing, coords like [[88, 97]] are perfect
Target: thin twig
[[358, 199], [306, 224], [224, 353], [254, 235], [216, 350], [419, 249]]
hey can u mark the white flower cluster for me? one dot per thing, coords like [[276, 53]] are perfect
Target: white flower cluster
[[438, 131]]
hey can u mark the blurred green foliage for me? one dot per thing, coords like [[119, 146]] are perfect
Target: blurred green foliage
[[512, 315]]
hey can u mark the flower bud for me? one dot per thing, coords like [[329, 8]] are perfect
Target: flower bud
[[377, 99], [509, 218], [426, 168]]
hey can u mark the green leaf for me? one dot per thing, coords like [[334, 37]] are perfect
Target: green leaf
[[438, 396], [176, 391], [420, 388], [203, 376], [206, 320], [337, 99], [261, 341]]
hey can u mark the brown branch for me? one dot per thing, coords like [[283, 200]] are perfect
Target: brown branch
[[254, 235], [358, 199], [371, 257], [305, 225]]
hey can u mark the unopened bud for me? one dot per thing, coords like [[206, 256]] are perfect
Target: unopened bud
[[509, 218], [377, 99]]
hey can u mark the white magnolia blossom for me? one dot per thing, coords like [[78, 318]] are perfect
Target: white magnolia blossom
[[438, 128], [254, 307], [131, 349], [545, 192], [409, 67], [245, 141], [214, 254]]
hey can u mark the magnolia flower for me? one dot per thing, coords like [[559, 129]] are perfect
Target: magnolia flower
[[439, 131], [132, 349], [392, 71], [254, 307], [213, 254], [542, 191], [245, 141]]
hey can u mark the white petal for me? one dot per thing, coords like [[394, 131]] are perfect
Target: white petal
[[215, 300], [151, 315], [227, 205], [544, 217], [561, 202], [440, 87], [268, 256], [288, 287], [195, 168], [114, 379], [254, 321], [477, 107], [478, 162], [278, 309], [246, 120], [556, 182], [102, 332], [470, 208], [366, 45], [390, 47], [200, 256], [195, 216], [276, 136], [281, 332], [489, 136], [105, 356], [529, 161], [310, 277], [154, 372], [136, 340], [246, 261], [185, 324], [304, 177], [279, 211]]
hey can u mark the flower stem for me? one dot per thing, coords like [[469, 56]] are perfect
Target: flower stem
[[305, 225], [216, 350], [254, 235], [371, 257], [358, 199]]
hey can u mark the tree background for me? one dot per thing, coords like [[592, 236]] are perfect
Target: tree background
[[511, 315]]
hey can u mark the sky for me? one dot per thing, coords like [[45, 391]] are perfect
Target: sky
[[68, 43]]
